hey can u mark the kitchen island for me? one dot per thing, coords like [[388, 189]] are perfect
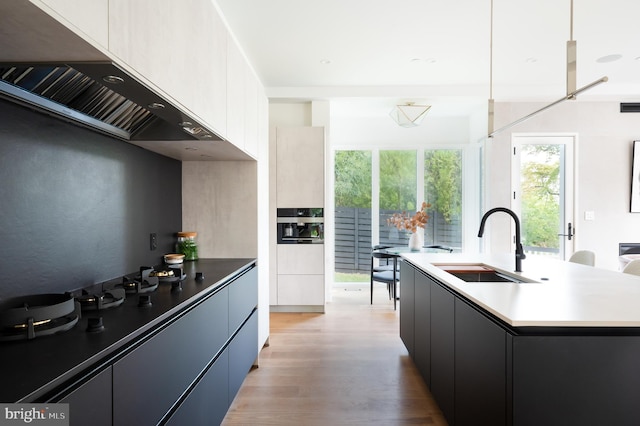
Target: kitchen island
[[560, 347]]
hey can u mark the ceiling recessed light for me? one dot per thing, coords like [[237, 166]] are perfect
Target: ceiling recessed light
[[531, 60], [112, 79], [427, 60], [608, 58], [325, 61]]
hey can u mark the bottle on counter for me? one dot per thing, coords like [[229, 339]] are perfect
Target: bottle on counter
[[187, 245]]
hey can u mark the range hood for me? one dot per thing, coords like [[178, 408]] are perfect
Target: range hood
[[100, 96]]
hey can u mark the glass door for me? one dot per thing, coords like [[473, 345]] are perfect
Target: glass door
[[543, 193]]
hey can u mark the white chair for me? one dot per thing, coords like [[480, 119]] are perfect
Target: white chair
[[632, 267], [584, 257]]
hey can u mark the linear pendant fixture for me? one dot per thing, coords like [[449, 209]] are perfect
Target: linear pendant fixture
[[572, 91]]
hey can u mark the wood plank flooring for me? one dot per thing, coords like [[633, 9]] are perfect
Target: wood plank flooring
[[347, 366]]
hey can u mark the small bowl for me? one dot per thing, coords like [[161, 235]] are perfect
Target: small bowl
[[173, 258]]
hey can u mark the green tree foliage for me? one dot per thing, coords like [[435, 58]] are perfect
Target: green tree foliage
[[398, 180], [353, 179], [540, 186], [443, 182]]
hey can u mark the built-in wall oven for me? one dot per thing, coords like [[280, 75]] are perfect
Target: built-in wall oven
[[300, 225]]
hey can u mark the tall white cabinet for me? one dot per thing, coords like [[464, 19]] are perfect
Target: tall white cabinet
[[300, 176]]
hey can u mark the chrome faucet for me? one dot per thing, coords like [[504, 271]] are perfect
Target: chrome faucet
[[519, 251]]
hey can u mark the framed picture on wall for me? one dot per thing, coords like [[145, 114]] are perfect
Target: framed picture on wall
[[635, 179]]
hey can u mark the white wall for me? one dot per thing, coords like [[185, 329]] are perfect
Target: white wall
[[384, 132], [603, 170]]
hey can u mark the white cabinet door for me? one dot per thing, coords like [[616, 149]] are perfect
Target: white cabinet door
[[242, 101], [299, 167], [181, 48], [236, 97], [91, 17], [300, 290], [300, 259], [251, 123], [300, 274]]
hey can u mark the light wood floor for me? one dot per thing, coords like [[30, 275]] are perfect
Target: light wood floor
[[345, 367]]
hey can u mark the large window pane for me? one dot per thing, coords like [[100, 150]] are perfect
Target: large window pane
[[443, 191], [352, 214], [398, 192]]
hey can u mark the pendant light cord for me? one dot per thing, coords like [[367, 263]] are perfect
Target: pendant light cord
[[571, 22], [491, 53]]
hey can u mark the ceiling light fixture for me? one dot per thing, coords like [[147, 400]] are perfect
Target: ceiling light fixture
[[572, 92], [409, 114]]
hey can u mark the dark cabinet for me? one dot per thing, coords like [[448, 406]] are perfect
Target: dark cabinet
[[149, 380], [208, 403], [243, 351], [243, 298], [90, 403], [480, 374], [581, 379], [459, 352], [407, 320], [422, 332], [442, 349]]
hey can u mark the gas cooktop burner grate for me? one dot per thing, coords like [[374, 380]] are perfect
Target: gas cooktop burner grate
[[107, 299], [144, 283], [28, 317]]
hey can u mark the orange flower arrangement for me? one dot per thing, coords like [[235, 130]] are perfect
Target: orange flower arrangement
[[403, 222]]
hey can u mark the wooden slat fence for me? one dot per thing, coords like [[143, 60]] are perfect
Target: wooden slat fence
[[353, 236]]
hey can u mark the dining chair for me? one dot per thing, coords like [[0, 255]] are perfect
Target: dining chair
[[390, 276], [632, 267], [584, 257]]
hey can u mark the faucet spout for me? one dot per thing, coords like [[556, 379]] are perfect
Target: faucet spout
[[519, 250]]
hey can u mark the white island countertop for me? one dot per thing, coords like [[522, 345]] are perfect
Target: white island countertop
[[560, 294]]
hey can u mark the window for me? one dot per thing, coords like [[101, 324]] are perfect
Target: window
[[372, 185]]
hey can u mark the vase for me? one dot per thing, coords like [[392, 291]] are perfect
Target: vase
[[416, 240]]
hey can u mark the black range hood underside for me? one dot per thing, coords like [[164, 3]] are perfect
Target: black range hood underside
[[99, 96]]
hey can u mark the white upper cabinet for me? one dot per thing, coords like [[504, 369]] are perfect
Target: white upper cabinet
[[299, 167], [91, 17], [242, 101], [181, 47], [184, 50], [251, 109], [235, 94]]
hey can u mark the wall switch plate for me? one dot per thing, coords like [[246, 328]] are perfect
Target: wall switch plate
[[590, 215], [153, 241]]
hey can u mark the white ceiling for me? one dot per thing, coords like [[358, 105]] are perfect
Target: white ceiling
[[436, 51]]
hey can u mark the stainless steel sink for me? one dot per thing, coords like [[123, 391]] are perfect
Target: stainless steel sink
[[484, 277], [478, 273]]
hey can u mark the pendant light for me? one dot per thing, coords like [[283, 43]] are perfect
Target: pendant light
[[571, 71]]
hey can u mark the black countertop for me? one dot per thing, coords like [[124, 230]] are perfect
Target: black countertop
[[33, 370]]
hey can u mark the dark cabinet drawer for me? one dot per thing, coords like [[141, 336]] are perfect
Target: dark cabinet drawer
[[208, 403], [243, 298], [90, 404], [149, 380], [243, 351]]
